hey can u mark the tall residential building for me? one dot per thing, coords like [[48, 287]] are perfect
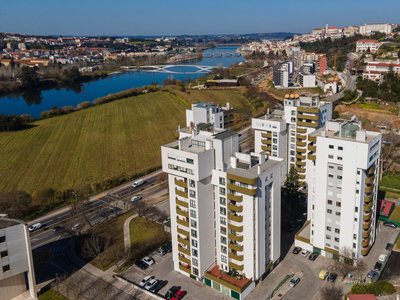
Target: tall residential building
[[283, 133], [342, 177], [281, 74], [17, 274], [208, 113], [225, 209], [368, 29]]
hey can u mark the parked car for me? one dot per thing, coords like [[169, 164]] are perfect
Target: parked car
[[389, 246], [166, 248], [382, 257], [35, 227], [145, 280], [323, 274], [150, 284], [332, 277], [169, 244], [388, 224], [148, 260], [158, 286], [294, 281], [136, 198], [305, 253], [378, 266], [76, 226], [313, 256], [141, 264], [178, 295], [296, 250], [298, 222], [160, 252], [292, 227], [57, 228], [171, 292], [372, 274]]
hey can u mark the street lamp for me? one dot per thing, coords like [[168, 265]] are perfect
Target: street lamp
[[270, 284], [76, 197]]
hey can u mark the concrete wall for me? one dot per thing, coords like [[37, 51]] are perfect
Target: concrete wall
[[12, 286]]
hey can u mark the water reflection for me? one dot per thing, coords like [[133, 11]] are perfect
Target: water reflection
[[33, 96]]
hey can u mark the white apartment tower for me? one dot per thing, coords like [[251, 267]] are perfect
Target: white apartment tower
[[208, 113], [342, 177], [225, 209]]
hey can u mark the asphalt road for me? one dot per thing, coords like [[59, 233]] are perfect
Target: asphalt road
[[350, 84]]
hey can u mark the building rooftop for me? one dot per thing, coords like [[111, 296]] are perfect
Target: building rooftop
[[253, 171], [223, 135], [7, 222], [204, 104], [222, 275]]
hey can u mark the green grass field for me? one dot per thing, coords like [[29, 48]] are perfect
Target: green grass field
[[395, 216], [391, 179], [88, 145]]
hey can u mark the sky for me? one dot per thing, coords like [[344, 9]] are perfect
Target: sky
[[178, 17]]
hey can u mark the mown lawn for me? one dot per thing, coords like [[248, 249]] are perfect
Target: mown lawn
[[86, 146], [395, 216], [391, 180], [50, 294]]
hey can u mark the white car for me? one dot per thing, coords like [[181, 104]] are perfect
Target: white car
[[145, 280], [148, 260], [294, 281], [76, 226], [150, 284], [136, 198], [305, 253], [382, 257]]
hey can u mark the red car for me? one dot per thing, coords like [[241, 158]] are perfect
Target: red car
[[178, 295]]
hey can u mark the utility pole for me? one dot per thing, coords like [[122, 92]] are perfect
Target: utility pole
[[76, 197]]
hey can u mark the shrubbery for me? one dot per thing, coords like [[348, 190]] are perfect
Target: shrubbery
[[378, 288], [10, 122]]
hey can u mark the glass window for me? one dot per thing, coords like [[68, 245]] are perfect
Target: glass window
[[4, 254], [293, 112], [222, 180], [222, 210], [192, 183], [193, 213], [292, 146], [337, 230], [355, 236], [329, 211], [330, 175], [339, 177], [275, 141], [192, 193], [222, 191], [190, 161], [223, 240], [331, 147], [336, 239], [354, 245], [293, 120], [223, 230], [274, 134], [292, 140], [328, 228], [193, 223], [194, 252], [330, 156], [194, 233], [274, 147], [340, 158], [195, 262], [292, 152], [194, 243], [223, 249], [223, 259], [222, 201], [195, 271], [222, 220], [192, 203], [356, 209], [292, 126], [340, 168], [330, 167], [2, 239], [358, 172], [330, 202], [340, 148], [6, 268], [328, 237], [338, 204], [338, 213]]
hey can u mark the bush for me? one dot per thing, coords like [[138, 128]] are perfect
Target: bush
[[378, 288], [10, 123], [67, 109], [84, 105]]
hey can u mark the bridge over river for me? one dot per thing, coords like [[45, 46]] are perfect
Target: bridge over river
[[166, 69], [222, 54]]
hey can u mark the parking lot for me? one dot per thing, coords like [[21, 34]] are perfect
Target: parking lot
[[163, 269]]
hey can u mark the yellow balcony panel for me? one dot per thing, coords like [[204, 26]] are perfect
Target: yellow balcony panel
[[230, 118], [367, 216], [369, 189], [181, 183], [235, 247], [242, 179], [237, 208], [365, 243], [182, 213], [184, 260], [301, 150], [265, 148], [183, 232], [371, 170], [308, 110], [183, 250], [312, 139], [237, 238], [301, 176], [235, 257], [182, 203], [235, 198], [266, 135], [251, 192], [183, 241], [301, 144], [300, 170], [312, 156], [182, 268], [308, 117], [182, 222], [365, 250], [367, 207], [370, 179], [299, 156], [367, 225], [181, 193], [301, 137], [229, 111], [366, 234], [266, 142], [300, 163], [235, 218], [235, 228], [235, 266], [307, 124], [301, 130], [312, 148]]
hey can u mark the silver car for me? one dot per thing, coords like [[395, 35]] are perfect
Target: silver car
[[294, 281]]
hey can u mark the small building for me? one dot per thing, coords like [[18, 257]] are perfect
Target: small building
[[375, 76], [365, 45], [386, 208], [223, 82], [331, 87]]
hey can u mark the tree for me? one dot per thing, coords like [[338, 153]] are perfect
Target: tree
[[335, 114], [292, 185], [387, 151], [29, 78], [141, 208], [162, 179], [16, 204], [95, 246], [332, 293], [346, 263]]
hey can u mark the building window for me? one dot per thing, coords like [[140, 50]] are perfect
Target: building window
[[357, 191], [331, 147], [338, 204], [292, 126], [3, 254], [339, 186], [190, 161], [193, 223], [336, 247], [338, 213], [222, 201], [199, 144], [330, 167], [223, 259], [358, 172], [340, 168], [292, 152], [222, 220], [329, 211], [223, 249], [354, 245], [195, 271], [274, 134], [223, 240], [330, 175], [194, 243], [329, 220], [293, 112], [223, 230], [222, 191], [339, 177], [192, 203], [2, 239], [194, 252], [330, 202], [328, 237], [222, 180], [330, 156], [293, 120], [336, 239], [275, 141], [340, 158], [192, 193], [355, 219], [292, 146], [328, 245], [194, 233], [274, 147], [192, 183], [328, 228], [195, 262], [193, 213], [355, 236], [337, 230], [6, 268], [356, 209], [330, 184], [340, 148], [222, 210]]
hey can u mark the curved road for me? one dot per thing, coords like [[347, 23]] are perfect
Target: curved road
[[351, 81]]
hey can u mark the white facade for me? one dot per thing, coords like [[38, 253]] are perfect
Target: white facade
[[208, 113], [307, 80], [383, 66], [342, 189], [364, 45], [368, 29]]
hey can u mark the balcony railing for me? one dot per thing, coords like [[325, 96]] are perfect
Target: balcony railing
[[300, 163], [235, 256], [367, 216], [308, 117], [237, 208], [366, 234], [370, 179], [182, 222], [301, 137], [371, 170], [266, 135], [311, 156], [184, 260], [265, 148], [301, 150], [183, 250], [368, 198], [312, 139], [181, 203], [246, 180], [307, 124], [367, 225], [300, 156], [181, 183], [229, 111], [266, 142], [312, 148], [235, 266], [308, 110], [187, 270], [300, 170], [230, 118], [181, 193], [251, 192], [235, 228], [183, 241], [183, 232], [367, 207], [365, 242], [369, 189], [235, 218], [301, 144], [301, 130], [235, 198], [182, 213], [365, 250], [237, 238], [235, 247]]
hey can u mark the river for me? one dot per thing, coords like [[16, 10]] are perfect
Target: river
[[34, 102]]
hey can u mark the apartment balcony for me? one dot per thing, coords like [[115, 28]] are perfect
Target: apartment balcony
[[237, 208], [182, 222], [301, 144], [367, 225], [183, 241], [235, 247], [181, 203], [370, 179], [301, 137], [369, 189], [237, 238], [367, 216], [183, 232], [365, 250], [181, 193], [312, 148], [235, 198], [266, 135], [368, 198], [300, 163], [367, 207], [301, 130], [266, 142], [182, 213], [307, 124], [312, 139], [181, 183], [229, 111], [242, 179], [366, 241], [251, 192], [308, 117], [308, 110], [235, 256], [265, 148], [301, 150], [183, 250], [236, 267], [184, 269], [238, 285], [301, 176], [184, 260], [227, 119], [299, 156], [366, 234], [311, 156], [371, 170], [300, 170], [235, 228], [236, 218]]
